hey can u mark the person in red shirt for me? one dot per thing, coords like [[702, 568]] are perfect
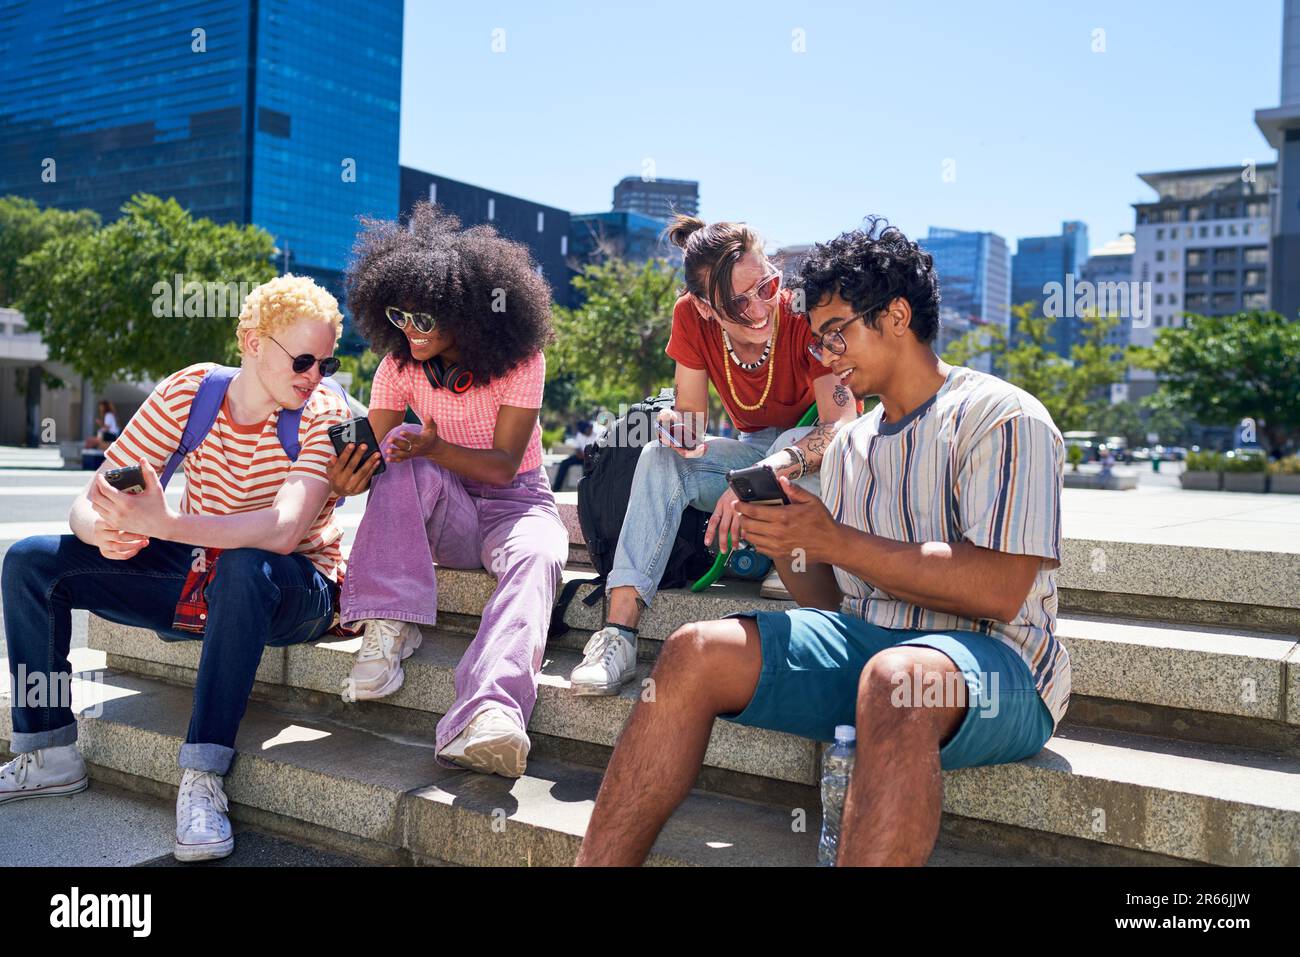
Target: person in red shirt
[[733, 328]]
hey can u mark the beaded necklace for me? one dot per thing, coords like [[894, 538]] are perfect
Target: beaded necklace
[[771, 366]]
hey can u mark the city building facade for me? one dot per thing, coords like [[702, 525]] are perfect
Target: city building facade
[[1040, 261], [543, 229], [657, 198]]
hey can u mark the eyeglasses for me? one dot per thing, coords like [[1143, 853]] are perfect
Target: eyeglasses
[[832, 342], [328, 365], [422, 321]]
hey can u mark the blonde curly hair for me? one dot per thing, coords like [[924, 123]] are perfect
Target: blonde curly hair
[[283, 301]]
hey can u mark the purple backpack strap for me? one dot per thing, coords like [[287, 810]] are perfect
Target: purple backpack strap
[[286, 426], [203, 413]]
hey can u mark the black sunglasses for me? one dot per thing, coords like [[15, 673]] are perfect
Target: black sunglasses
[[302, 363]]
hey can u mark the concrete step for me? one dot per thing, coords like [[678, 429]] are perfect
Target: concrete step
[[365, 791], [381, 797], [1233, 671], [1195, 584], [18, 457], [1217, 685]]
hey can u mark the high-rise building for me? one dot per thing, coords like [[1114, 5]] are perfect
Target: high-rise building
[[1109, 272], [1107, 268], [1281, 127], [543, 229], [1042, 260], [1203, 244], [974, 283], [282, 113], [657, 198], [594, 237]]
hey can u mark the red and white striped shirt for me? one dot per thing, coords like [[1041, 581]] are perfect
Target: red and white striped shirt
[[238, 468]]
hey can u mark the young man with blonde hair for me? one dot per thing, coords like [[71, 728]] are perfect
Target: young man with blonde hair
[[251, 557]]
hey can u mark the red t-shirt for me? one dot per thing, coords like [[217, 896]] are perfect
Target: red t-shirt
[[696, 343]]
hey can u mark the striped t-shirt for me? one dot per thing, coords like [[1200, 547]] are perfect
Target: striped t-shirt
[[238, 468], [982, 462], [470, 418]]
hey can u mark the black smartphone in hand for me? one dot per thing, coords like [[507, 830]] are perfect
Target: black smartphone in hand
[[129, 479], [757, 485], [356, 431]]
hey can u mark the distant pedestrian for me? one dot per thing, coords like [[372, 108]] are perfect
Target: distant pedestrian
[[584, 433]]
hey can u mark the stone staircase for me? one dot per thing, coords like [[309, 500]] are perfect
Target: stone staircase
[[1182, 744]]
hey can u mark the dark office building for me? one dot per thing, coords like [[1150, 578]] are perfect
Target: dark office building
[[657, 198], [543, 229], [1040, 260], [282, 113]]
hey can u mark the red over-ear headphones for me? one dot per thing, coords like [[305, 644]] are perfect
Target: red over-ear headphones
[[452, 377]]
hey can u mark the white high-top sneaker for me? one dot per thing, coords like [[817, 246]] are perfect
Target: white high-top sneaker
[[493, 743], [47, 772], [377, 671], [202, 827], [608, 663]]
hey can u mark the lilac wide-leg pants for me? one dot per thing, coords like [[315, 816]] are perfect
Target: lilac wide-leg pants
[[420, 514]]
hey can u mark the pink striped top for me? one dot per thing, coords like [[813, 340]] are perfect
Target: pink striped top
[[468, 419]]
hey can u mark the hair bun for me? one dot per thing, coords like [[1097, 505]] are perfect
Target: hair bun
[[681, 228]]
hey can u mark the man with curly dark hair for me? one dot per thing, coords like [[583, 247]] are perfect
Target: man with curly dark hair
[[926, 580], [461, 317]]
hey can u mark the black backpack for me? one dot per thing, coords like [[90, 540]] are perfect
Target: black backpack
[[603, 493]]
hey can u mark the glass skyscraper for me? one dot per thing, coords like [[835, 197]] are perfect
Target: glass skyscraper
[[974, 282], [282, 113], [1040, 260]]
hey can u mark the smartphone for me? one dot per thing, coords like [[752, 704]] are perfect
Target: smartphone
[[757, 485], [356, 431], [668, 438], [675, 436], [129, 479]]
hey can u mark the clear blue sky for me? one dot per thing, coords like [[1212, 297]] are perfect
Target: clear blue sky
[[1040, 128]]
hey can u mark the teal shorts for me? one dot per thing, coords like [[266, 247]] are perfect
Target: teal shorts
[[812, 660]]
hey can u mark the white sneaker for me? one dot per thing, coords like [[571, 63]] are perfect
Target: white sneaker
[[47, 772], [493, 743], [608, 663], [377, 671], [202, 827], [773, 587]]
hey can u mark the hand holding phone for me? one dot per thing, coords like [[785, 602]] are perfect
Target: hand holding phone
[[677, 431], [356, 432], [757, 485], [129, 479]]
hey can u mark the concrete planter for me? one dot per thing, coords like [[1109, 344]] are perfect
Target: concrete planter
[[1285, 484], [1202, 481], [1245, 481]]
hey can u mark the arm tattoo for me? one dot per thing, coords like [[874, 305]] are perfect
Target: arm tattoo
[[815, 443], [841, 396]]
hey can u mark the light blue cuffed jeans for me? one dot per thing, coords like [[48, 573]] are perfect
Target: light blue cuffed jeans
[[666, 484]]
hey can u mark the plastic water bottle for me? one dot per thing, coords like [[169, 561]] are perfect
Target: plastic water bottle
[[837, 768]]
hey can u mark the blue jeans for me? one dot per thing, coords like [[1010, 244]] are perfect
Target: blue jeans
[[256, 598], [666, 484]]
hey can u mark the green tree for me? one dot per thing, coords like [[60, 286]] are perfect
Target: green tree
[[1222, 369], [103, 300], [1072, 390], [1121, 418], [24, 228], [613, 343]]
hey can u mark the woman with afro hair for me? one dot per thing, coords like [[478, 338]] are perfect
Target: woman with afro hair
[[461, 317]]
